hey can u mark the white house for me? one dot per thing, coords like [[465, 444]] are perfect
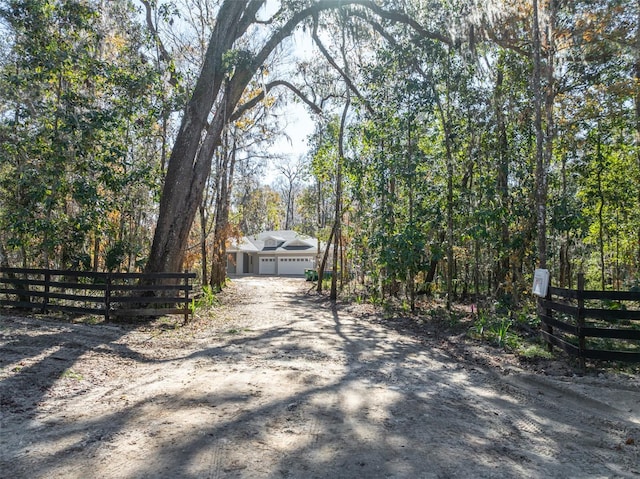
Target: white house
[[281, 253]]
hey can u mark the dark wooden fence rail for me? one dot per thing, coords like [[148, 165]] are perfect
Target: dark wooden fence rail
[[609, 332], [103, 294]]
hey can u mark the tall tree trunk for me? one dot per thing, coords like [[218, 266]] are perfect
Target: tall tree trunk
[[190, 161], [502, 182], [544, 133], [203, 241], [338, 211], [325, 257], [565, 258], [637, 111], [430, 273], [600, 210], [540, 173], [333, 295], [450, 259], [476, 269], [411, 171], [4, 257], [96, 251], [549, 101], [205, 209], [338, 205], [221, 230]]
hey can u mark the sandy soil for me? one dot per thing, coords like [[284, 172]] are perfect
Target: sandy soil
[[281, 385]]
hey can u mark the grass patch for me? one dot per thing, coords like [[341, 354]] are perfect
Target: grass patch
[[237, 330], [517, 333], [534, 351], [206, 300], [71, 374]]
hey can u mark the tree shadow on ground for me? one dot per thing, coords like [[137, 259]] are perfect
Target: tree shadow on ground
[[322, 394]]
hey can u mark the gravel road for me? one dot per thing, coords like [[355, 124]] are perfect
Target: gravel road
[[278, 383]]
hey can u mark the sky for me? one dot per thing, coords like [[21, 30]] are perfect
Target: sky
[[299, 126], [299, 121]]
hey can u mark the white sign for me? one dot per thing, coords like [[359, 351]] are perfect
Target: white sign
[[541, 282]]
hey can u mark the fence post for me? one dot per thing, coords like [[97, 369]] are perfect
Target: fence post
[[47, 287], [580, 320], [107, 297], [548, 312], [186, 296]]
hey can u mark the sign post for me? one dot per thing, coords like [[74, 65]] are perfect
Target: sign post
[[541, 290]]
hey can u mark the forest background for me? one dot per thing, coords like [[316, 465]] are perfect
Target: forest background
[[457, 146]]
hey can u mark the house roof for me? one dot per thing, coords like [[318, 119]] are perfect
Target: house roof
[[299, 243], [243, 244], [284, 241], [283, 235]]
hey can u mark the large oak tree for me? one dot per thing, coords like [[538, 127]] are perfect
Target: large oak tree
[[216, 101]]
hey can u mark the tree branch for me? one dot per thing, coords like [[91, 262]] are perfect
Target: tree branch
[[242, 109], [333, 63], [249, 16], [400, 17], [313, 11], [164, 54]]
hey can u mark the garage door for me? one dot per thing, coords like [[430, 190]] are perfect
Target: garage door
[[294, 266], [267, 266]]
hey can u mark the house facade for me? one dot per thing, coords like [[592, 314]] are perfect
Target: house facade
[[279, 253]]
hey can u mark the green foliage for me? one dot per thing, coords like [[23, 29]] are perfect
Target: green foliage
[[115, 256], [500, 330], [208, 298], [534, 351], [78, 110], [517, 332], [430, 101], [496, 329], [480, 324], [233, 59]]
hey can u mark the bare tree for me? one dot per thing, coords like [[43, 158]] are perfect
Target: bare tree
[[292, 177]]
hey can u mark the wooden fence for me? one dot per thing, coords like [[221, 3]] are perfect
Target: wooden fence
[[103, 294], [592, 324]]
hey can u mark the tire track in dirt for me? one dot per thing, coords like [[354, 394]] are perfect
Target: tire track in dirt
[[281, 384]]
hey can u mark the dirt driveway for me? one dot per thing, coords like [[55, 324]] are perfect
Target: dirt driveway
[[281, 385]]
